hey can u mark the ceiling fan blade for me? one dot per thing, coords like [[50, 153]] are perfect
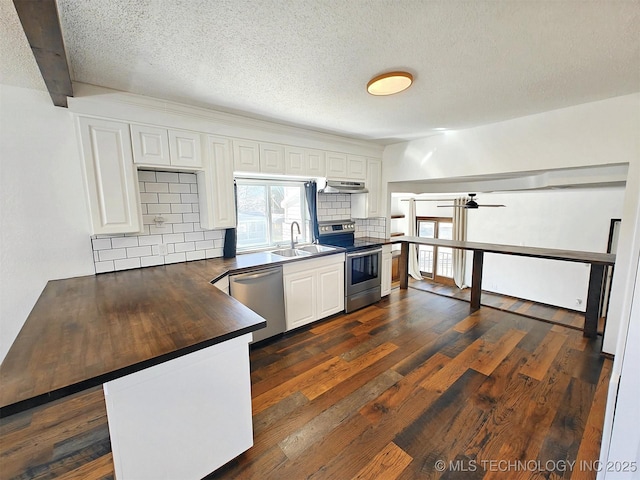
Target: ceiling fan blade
[[492, 205], [452, 206]]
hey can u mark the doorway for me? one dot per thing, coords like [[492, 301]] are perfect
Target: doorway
[[436, 263]]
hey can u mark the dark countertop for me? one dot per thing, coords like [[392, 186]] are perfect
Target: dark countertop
[[85, 331]]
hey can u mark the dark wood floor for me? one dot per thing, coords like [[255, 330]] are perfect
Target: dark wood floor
[[385, 392], [528, 308]]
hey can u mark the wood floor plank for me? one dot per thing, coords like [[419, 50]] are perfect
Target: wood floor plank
[[388, 464], [542, 358], [494, 354]]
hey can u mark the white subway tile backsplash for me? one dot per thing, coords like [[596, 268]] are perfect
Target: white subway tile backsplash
[[180, 188], [114, 254], [101, 243], [193, 236], [174, 197], [102, 267], [146, 176], [191, 217], [127, 263], [189, 197], [187, 178], [175, 258], [149, 240], [155, 230], [185, 247], [173, 238], [195, 255], [159, 208], [157, 187], [149, 198], [152, 261], [139, 251], [183, 227], [205, 244], [169, 177], [169, 197], [181, 208]]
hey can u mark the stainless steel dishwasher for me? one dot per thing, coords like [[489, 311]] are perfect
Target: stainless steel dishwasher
[[263, 292]]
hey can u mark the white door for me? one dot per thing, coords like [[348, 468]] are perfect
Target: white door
[[300, 293], [330, 290]]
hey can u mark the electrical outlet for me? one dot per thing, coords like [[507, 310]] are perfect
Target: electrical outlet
[[162, 249]]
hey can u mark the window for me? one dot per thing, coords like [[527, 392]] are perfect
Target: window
[[435, 263], [266, 210]]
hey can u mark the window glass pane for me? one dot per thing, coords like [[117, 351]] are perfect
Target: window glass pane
[[266, 211], [445, 262], [252, 216], [426, 229], [445, 230]]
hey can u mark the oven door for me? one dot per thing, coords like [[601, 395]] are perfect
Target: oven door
[[362, 270]]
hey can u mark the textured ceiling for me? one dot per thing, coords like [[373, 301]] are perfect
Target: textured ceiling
[[307, 62]]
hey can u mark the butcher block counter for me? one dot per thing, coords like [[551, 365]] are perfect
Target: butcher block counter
[[85, 331]]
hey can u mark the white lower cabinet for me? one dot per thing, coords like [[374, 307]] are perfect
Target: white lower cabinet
[[387, 262], [313, 289]]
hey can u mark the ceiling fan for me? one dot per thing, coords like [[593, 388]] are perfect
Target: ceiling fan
[[470, 204]]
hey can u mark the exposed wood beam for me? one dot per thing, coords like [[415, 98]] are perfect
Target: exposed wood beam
[[41, 24]]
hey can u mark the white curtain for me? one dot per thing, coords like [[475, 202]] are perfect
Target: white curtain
[[414, 267], [459, 233]]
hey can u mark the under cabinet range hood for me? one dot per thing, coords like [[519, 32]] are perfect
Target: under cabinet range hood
[[343, 186]]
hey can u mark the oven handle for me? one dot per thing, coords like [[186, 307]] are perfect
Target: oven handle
[[362, 254]]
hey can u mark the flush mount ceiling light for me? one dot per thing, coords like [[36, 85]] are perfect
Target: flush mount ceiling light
[[389, 83]]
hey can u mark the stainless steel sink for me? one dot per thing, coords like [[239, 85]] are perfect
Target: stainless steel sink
[[317, 249], [291, 252]]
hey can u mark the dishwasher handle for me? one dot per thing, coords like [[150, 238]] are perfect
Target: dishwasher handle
[[242, 278]]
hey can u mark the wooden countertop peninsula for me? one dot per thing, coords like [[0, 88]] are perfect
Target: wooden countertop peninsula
[[86, 331]]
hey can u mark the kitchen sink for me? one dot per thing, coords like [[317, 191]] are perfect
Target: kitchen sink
[[316, 248], [291, 252]]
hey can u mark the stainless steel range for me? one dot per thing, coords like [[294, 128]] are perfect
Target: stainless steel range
[[363, 264]]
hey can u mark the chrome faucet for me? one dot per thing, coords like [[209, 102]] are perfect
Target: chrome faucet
[[293, 243]]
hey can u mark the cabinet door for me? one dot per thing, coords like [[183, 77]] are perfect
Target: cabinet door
[[185, 149], [300, 293], [385, 286], [150, 145], [356, 167], [111, 177], [316, 166], [294, 161], [246, 156], [330, 290], [271, 158], [215, 186], [336, 165], [374, 185]]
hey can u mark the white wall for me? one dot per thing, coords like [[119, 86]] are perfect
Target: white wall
[[597, 133], [44, 228]]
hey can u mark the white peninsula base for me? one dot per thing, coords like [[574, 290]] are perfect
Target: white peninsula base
[[183, 418]]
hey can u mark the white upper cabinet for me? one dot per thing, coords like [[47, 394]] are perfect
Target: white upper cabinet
[[356, 167], [246, 156], [366, 205], [215, 186], [336, 166], [185, 149], [110, 175], [153, 146], [304, 162], [150, 145], [271, 158]]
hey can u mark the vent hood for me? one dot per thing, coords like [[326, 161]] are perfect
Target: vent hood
[[340, 186]]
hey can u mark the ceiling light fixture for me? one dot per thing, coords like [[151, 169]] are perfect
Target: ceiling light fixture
[[389, 83]]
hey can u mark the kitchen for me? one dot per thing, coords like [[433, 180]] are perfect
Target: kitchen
[[55, 200]]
